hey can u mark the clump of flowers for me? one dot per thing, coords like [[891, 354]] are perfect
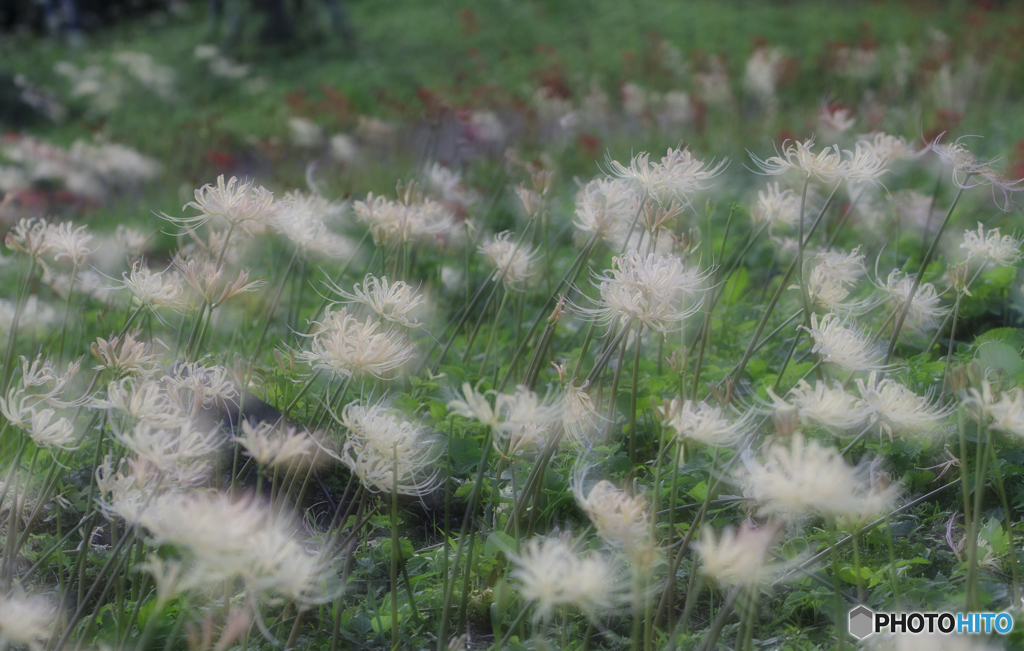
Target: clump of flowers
[[344, 347], [898, 408], [620, 519], [848, 348], [649, 289], [512, 261], [738, 556], [387, 452], [549, 573], [992, 247], [798, 477]]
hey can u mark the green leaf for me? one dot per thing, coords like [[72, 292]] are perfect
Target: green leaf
[[700, 491], [465, 453], [498, 541]]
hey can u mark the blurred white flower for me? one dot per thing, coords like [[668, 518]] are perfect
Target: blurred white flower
[[1002, 250]]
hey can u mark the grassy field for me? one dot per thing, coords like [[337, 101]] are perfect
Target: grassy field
[[436, 356]]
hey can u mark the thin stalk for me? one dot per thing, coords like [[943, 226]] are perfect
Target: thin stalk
[[494, 330], [394, 548], [984, 442], [1007, 519], [67, 313], [572, 273], [840, 619], [920, 274], [612, 421], [782, 287], [12, 337], [474, 496], [949, 351], [632, 394]]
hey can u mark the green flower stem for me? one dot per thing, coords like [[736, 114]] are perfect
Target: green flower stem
[[612, 420], [920, 274], [716, 626], [949, 351], [494, 330], [782, 287], [571, 275], [1007, 519], [984, 443], [346, 565], [840, 620], [67, 313], [698, 521], [511, 629], [632, 394], [474, 496], [495, 277], [12, 337], [394, 549], [272, 307]]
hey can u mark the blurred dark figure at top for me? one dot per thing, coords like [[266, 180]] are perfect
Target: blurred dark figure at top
[[70, 19], [279, 21]]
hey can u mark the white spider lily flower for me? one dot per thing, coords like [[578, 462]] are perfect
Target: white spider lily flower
[[899, 408], [243, 205], [235, 539], [798, 477], [387, 452], [41, 373], [345, 347], [829, 406], [580, 419], [677, 176], [969, 172], [1002, 250], [287, 449], [49, 433], [828, 290], [707, 424], [606, 207], [845, 267], [836, 119], [300, 218], [144, 400], [393, 302], [25, 621], [509, 412], [124, 356], [391, 220], [925, 309], [167, 448], [776, 207], [888, 147], [513, 262], [619, 518], [827, 165], [69, 242], [864, 164], [152, 290], [848, 348], [1006, 414], [31, 237], [738, 556], [198, 386], [549, 573], [649, 288]]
